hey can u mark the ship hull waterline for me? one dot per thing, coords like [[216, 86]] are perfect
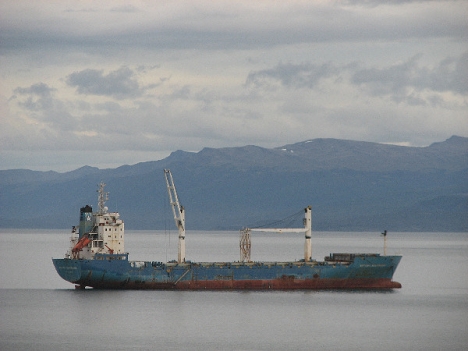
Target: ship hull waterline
[[363, 273]]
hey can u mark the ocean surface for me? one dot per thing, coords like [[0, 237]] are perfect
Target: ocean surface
[[40, 311]]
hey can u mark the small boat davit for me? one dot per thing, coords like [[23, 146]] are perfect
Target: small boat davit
[[97, 259]]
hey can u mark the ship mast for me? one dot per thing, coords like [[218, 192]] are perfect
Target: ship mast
[[385, 242], [245, 244], [178, 212], [102, 198]]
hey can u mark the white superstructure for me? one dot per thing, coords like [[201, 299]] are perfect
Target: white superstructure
[[100, 232]]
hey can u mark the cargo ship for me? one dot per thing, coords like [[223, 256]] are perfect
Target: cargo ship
[[97, 259]]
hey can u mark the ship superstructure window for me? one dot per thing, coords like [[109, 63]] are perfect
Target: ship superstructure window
[[98, 243]]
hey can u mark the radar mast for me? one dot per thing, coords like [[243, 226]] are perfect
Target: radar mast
[[102, 198]]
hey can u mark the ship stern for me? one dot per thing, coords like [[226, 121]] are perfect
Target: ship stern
[[69, 270]]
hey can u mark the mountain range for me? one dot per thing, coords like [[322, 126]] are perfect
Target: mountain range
[[351, 186]]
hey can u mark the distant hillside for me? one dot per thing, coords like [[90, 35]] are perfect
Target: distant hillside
[[351, 185]]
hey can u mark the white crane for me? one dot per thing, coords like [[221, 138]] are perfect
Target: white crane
[[245, 244], [178, 212]]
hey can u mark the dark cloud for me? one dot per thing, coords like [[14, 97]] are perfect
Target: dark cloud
[[385, 2], [305, 75], [448, 76], [120, 84], [233, 26], [108, 106], [44, 108], [38, 89], [124, 8], [403, 81], [37, 97], [387, 80], [183, 93]]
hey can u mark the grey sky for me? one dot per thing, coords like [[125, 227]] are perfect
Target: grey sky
[[119, 82]]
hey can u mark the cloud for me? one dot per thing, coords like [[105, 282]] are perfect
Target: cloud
[[304, 75], [110, 26], [124, 8], [275, 101], [403, 81], [46, 117], [162, 76], [37, 97], [38, 89], [398, 79], [450, 75], [383, 2], [120, 84], [387, 80]]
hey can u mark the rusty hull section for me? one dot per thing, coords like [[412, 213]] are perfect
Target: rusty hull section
[[275, 284]]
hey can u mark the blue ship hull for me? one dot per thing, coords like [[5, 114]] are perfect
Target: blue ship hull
[[355, 271]]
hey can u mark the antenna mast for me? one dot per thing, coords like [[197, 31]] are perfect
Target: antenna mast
[[102, 198], [385, 242]]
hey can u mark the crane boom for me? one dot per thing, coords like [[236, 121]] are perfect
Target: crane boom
[[278, 230], [245, 244], [178, 212]]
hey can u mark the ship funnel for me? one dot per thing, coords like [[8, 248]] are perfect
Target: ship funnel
[[86, 220]]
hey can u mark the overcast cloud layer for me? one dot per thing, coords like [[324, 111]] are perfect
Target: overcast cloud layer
[[119, 82]]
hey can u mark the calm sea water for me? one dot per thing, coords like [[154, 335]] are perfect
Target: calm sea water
[[39, 311]]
